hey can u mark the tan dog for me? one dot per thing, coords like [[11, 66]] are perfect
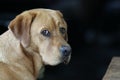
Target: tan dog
[[35, 38]]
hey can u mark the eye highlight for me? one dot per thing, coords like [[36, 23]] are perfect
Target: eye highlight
[[62, 30], [45, 33]]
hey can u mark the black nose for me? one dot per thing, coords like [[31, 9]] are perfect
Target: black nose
[[65, 50]]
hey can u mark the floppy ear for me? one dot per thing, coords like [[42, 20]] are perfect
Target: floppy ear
[[20, 27]]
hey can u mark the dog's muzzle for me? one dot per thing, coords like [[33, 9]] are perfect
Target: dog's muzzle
[[66, 53]]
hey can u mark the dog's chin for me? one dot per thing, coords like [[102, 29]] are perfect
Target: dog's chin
[[64, 60], [53, 63]]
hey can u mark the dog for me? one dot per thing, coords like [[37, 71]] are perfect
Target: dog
[[35, 38]]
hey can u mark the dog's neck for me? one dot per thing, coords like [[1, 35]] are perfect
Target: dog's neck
[[21, 57], [36, 59]]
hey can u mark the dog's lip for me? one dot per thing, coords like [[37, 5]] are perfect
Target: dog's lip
[[66, 60]]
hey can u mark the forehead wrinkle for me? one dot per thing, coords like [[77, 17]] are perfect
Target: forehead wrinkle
[[58, 19], [46, 21], [52, 21], [57, 22]]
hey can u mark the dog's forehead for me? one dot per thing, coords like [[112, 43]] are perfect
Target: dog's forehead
[[51, 19]]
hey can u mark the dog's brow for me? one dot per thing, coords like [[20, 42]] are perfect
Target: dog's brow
[[57, 19]]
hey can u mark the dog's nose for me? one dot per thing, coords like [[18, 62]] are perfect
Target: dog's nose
[[65, 50]]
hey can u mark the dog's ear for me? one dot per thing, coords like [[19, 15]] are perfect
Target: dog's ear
[[20, 27]]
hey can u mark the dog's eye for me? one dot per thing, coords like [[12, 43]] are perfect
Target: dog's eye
[[63, 30], [45, 33]]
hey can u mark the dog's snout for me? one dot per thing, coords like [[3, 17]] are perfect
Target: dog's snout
[[65, 50]]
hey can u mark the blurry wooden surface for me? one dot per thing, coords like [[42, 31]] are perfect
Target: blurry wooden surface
[[113, 71]]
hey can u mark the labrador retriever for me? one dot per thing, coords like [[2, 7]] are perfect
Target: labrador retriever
[[35, 38]]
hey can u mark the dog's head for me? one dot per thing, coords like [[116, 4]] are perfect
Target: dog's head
[[43, 31]]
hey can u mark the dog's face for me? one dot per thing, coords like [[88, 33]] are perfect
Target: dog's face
[[43, 31]]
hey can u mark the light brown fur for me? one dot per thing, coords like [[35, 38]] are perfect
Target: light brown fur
[[24, 50]]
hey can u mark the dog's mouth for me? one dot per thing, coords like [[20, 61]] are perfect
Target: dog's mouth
[[66, 60]]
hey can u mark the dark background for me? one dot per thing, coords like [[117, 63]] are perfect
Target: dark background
[[93, 29]]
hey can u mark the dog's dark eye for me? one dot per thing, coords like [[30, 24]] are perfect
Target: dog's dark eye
[[63, 30], [45, 33]]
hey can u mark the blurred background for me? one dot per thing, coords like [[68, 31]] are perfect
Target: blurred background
[[93, 30]]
